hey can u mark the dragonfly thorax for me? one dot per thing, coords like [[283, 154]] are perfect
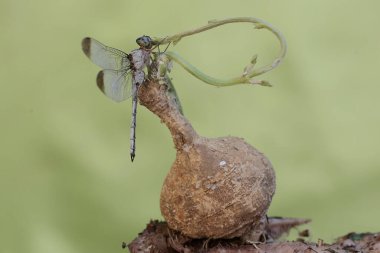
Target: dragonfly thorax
[[139, 59], [145, 42]]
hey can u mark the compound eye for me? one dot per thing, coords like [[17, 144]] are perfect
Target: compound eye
[[144, 41]]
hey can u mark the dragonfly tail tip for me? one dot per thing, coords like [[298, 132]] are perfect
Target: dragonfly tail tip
[[132, 157]]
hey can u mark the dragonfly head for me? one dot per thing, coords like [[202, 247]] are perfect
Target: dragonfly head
[[145, 42]]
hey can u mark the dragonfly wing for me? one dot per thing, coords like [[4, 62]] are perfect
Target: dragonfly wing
[[115, 84], [103, 56]]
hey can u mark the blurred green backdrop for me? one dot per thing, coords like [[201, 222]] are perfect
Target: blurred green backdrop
[[66, 180]]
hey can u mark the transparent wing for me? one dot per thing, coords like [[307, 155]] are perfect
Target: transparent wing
[[115, 84], [103, 56]]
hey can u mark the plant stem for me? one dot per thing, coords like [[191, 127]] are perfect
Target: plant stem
[[249, 73]]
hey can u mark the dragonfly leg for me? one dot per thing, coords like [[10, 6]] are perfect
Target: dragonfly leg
[[166, 48]]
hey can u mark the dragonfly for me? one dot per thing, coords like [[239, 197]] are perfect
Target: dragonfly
[[121, 73]]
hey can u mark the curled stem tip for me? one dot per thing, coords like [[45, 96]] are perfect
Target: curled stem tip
[[249, 71]]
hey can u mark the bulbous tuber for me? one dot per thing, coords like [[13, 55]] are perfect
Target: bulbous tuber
[[217, 187]]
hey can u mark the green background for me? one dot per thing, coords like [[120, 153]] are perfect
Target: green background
[[66, 180]]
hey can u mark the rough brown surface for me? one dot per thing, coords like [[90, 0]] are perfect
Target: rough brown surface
[[216, 188]]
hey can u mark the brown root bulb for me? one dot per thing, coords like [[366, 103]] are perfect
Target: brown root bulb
[[216, 188]]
